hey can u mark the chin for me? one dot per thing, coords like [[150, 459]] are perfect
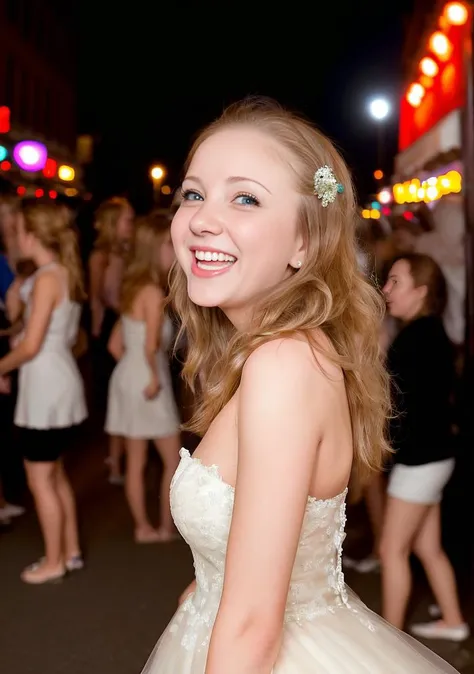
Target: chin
[[203, 297]]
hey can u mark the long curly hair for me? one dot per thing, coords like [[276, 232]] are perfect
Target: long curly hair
[[52, 228], [105, 222], [328, 293], [143, 267]]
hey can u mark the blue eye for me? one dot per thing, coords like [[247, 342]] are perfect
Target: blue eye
[[191, 195], [247, 200]]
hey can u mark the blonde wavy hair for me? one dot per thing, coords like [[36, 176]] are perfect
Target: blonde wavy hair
[[143, 267], [106, 219], [49, 224], [328, 293]]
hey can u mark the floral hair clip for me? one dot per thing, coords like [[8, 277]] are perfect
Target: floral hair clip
[[326, 186]]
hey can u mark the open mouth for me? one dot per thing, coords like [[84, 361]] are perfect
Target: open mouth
[[208, 260]]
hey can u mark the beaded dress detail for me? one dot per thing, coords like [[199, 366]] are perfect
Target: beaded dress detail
[[326, 630]]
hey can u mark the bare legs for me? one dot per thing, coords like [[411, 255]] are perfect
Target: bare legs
[[168, 448], [427, 547], [135, 489], [415, 527], [56, 510], [375, 503], [116, 451]]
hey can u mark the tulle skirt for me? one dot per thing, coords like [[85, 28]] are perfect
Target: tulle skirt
[[341, 641]]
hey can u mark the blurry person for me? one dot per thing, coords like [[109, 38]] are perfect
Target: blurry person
[[46, 415], [421, 362], [9, 213], [141, 406], [114, 225]]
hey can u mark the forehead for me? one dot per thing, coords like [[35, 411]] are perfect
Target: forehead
[[401, 268], [244, 152]]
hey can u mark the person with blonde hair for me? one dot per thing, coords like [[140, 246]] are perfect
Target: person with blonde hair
[[114, 225], [141, 406], [51, 400], [283, 334]]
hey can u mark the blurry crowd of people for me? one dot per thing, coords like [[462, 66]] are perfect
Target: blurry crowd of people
[[418, 263], [51, 317], [128, 334]]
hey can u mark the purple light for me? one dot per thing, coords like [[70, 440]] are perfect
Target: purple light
[[30, 155]]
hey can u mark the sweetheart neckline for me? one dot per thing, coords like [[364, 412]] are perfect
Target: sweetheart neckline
[[213, 470]]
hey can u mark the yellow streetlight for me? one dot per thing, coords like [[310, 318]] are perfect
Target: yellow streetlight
[[66, 173], [157, 172]]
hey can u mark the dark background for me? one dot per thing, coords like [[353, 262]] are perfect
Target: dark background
[[151, 75]]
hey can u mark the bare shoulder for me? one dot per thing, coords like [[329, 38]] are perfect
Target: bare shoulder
[[152, 293], [294, 359], [47, 281]]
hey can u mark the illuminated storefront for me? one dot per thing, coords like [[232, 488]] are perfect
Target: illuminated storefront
[[35, 168], [428, 165]]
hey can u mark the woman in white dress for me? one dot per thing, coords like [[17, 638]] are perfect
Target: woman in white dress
[[114, 224], [283, 332], [51, 397], [141, 405]]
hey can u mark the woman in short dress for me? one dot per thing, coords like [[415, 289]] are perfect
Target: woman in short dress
[[114, 225], [421, 361], [51, 397], [141, 405]]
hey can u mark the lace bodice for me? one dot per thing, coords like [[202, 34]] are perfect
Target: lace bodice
[[202, 509]]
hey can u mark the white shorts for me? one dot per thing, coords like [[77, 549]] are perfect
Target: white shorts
[[420, 484]]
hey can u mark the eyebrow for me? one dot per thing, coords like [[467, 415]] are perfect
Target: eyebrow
[[232, 179]]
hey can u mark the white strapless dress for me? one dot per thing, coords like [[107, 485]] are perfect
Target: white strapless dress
[[327, 629]]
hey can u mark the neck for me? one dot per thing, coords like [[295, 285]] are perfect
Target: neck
[[43, 257]]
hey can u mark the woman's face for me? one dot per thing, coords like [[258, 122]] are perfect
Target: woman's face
[[125, 224], [236, 231], [404, 299], [26, 240]]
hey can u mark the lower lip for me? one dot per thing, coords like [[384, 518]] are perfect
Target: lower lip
[[209, 273]]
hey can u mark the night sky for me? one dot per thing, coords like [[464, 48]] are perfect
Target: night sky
[[152, 75]]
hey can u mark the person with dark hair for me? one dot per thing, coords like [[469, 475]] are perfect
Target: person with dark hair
[[421, 362]]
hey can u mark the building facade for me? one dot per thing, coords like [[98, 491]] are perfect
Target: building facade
[[38, 50]]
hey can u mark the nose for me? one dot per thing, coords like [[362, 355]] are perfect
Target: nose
[[206, 220], [387, 288]]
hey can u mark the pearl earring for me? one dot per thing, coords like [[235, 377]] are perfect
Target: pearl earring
[[299, 263]]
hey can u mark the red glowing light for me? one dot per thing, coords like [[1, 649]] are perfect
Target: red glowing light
[[408, 215], [39, 193], [21, 191], [5, 165], [53, 194], [50, 168], [4, 119], [386, 210]]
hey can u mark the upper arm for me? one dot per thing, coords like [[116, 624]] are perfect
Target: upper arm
[[44, 297], [278, 436], [97, 266], [153, 314]]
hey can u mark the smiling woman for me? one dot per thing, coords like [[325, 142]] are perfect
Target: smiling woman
[[283, 335]]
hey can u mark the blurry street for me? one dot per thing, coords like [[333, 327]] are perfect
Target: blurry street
[[106, 619]]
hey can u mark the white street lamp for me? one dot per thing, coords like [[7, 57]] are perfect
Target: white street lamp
[[379, 109]]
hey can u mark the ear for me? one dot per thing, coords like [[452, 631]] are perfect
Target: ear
[[299, 256], [422, 292]]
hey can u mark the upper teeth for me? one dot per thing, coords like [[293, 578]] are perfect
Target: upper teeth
[[214, 257]]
